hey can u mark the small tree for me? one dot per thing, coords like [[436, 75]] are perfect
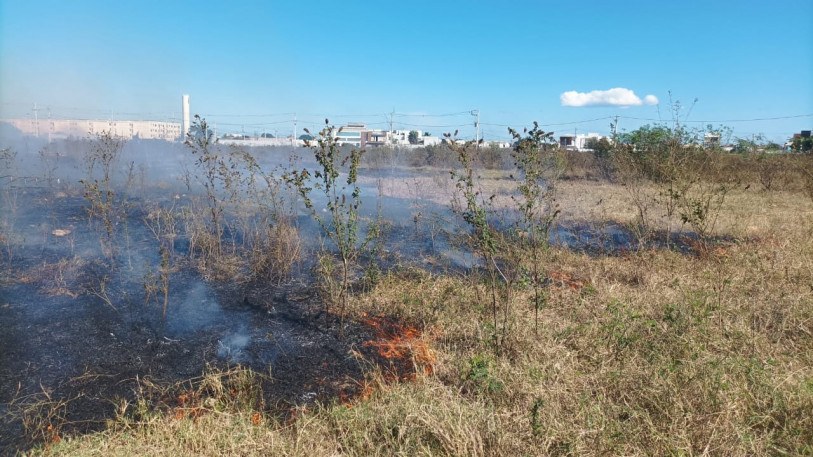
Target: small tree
[[413, 137], [661, 166], [801, 144], [484, 238], [538, 168], [342, 226], [602, 151], [102, 156], [200, 139]]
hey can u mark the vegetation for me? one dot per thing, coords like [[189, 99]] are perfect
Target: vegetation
[[802, 144], [477, 211], [686, 355], [694, 338], [98, 186], [8, 159], [248, 232], [342, 226], [538, 167]]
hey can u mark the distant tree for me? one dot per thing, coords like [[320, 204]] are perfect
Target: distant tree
[[749, 145], [773, 146], [743, 146], [413, 137], [427, 134], [648, 136], [602, 150], [200, 135], [306, 137], [800, 144], [599, 146]]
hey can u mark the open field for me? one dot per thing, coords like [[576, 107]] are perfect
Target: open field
[[168, 323]]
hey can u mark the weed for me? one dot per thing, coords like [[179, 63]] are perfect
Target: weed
[[342, 226], [215, 172], [484, 238], [42, 415], [538, 168], [98, 187], [162, 224], [479, 377], [8, 160], [536, 422], [244, 207]]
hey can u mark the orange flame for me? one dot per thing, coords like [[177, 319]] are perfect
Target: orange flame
[[400, 343]]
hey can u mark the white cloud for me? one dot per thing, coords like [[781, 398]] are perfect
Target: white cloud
[[617, 96], [650, 100]]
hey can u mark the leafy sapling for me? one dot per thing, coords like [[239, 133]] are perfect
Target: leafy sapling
[[343, 200], [538, 166]]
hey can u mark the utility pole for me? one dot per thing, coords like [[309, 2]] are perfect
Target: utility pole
[[293, 139], [615, 127], [476, 113], [392, 132]]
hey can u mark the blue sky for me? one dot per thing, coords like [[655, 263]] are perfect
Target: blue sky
[[246, 65]]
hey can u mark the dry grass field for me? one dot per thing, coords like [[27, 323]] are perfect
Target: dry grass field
[[643, 352]]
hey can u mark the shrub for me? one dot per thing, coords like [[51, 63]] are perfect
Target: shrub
[[342, 227]]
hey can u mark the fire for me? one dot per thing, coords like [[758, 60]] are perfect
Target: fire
[[400, 343], [188, 406], [403, 346]]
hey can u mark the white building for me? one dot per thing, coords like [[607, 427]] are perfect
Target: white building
[[578, 142], [351, 134], [64, 128], [401, 138], [711, 140], [431, 140], [497, 144]]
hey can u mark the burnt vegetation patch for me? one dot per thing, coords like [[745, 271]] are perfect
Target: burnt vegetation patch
[[145, 280]]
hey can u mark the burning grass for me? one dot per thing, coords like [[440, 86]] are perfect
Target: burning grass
[[645, 352], [403, 346]]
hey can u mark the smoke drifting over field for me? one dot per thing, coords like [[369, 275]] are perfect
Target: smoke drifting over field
[[149, 258]]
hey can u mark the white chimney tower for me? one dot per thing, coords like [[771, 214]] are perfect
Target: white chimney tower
[[185, 110]]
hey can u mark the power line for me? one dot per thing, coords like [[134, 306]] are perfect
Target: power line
[[247, 115], [287, 121], [433, 126], [460, 113], [797, 116], [556, 124]]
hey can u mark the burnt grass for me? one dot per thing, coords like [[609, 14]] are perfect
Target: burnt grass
[[63, 343], [79, 334]]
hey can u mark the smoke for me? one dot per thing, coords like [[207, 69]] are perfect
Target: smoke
[[232, 346]]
